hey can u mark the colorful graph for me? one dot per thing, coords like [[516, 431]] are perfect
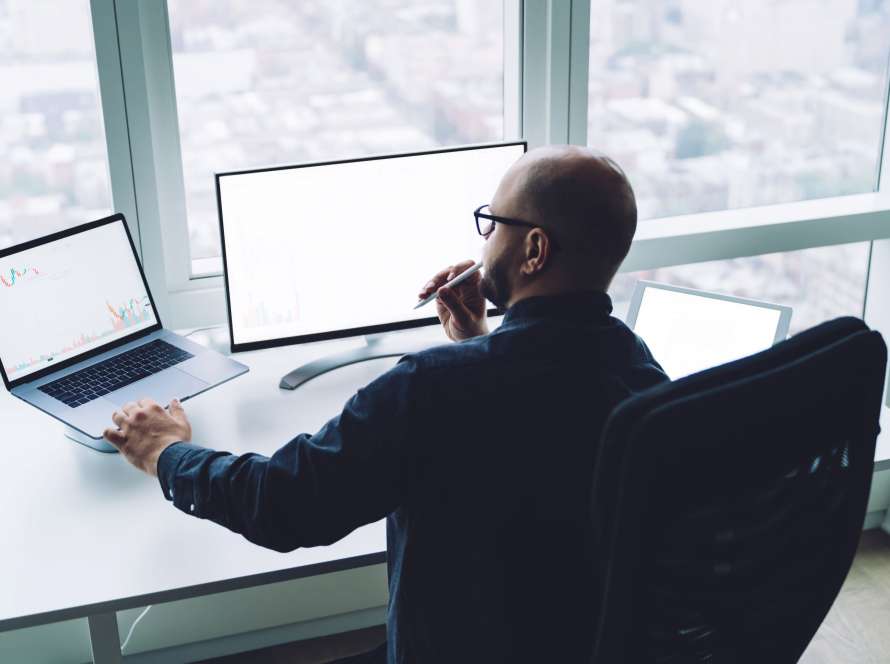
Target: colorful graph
[[45, 358], [17, 276], [135, 311], [132, 313]]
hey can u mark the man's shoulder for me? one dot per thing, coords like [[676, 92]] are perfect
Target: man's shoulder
[[451, 355]]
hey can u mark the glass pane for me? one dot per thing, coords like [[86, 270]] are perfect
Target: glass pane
[[261, 82], [55, 168], [720, 104], [818, 284]]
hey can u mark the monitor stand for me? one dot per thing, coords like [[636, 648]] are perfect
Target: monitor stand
[[376, 346], [99, 444]]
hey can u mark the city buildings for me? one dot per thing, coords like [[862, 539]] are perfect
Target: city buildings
[[707, 105]]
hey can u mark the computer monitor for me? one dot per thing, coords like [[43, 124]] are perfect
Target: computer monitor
[[341, 248], [690, 330]]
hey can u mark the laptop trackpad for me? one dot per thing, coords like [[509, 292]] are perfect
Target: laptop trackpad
[[162, 387]]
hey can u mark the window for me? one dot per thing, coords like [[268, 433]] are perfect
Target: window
[[818, 284], [262, 82], [54, 171], [723, 104]]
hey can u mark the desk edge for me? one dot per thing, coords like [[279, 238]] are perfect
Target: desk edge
[[188, 592]]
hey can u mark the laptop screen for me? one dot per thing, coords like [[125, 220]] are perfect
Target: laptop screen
[[690, 331], [64, 298]]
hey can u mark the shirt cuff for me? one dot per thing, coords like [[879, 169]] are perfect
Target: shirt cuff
[[168, 464]]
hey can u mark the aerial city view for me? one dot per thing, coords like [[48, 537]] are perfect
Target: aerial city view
[[707, 105]]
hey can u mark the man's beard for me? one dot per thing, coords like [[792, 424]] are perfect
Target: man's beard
[[495, 287]]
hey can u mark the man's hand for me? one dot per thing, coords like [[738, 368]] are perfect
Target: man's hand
[[145, 430], [462, 308]]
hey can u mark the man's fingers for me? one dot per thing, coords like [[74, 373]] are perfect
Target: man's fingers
[[463, 265], [114, 437], [118, 418], [435, 282], [128, 407], [177, 411], [470, 284], [444, 276], [458, 269], [456, 308]]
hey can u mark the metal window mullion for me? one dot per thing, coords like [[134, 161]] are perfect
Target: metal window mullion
[[883, 171], [559, 67], [546, 36], [158, 51], [114, 114], [146, 65], [579, 62], [877, 294], [512, 69], [534, 72], [555, 61], [137, 104]]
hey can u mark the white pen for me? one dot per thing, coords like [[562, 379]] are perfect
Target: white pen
[[454, 282]]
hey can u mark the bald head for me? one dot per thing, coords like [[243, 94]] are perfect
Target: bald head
[[583, 199]]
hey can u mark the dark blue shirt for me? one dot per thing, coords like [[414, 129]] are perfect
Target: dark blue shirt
[[480, 454]]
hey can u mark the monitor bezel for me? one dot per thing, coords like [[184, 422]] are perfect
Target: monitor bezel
[[103, 348], [345, 332], [636, 300]]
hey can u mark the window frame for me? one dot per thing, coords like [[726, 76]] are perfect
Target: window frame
[[545, 101]]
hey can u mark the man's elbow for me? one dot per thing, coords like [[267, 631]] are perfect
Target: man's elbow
[[275, 539], [286, 538]]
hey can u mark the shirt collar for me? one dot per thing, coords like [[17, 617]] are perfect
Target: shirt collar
[[580, 306]]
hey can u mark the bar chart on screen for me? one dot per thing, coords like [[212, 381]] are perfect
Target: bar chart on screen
[[134, 311]]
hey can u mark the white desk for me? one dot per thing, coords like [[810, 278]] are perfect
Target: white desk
[[86, 534]]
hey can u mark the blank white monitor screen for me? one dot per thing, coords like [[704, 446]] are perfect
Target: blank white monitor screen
[[687, 332], [70, 296], [328, 248]]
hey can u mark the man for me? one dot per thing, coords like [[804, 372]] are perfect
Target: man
[[480, 453]]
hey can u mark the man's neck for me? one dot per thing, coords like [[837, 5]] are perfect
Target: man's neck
[[545, 290]]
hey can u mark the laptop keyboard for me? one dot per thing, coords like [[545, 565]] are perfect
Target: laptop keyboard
[[103, 377]]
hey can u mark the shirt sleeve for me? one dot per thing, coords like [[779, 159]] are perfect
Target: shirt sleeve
[[317, 488]]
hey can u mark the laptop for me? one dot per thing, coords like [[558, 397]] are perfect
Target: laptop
[[81, 335], [691, 330]]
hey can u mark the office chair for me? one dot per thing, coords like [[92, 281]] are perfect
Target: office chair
[[727, 506]]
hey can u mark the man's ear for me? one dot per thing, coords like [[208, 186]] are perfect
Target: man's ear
[[537, 251]]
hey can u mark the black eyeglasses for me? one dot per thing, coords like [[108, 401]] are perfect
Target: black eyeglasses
[[485, 223]]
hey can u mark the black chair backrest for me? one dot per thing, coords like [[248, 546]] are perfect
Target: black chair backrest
[[727, 506]]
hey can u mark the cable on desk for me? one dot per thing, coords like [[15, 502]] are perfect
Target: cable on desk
[[202, 329], [133, 626]]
